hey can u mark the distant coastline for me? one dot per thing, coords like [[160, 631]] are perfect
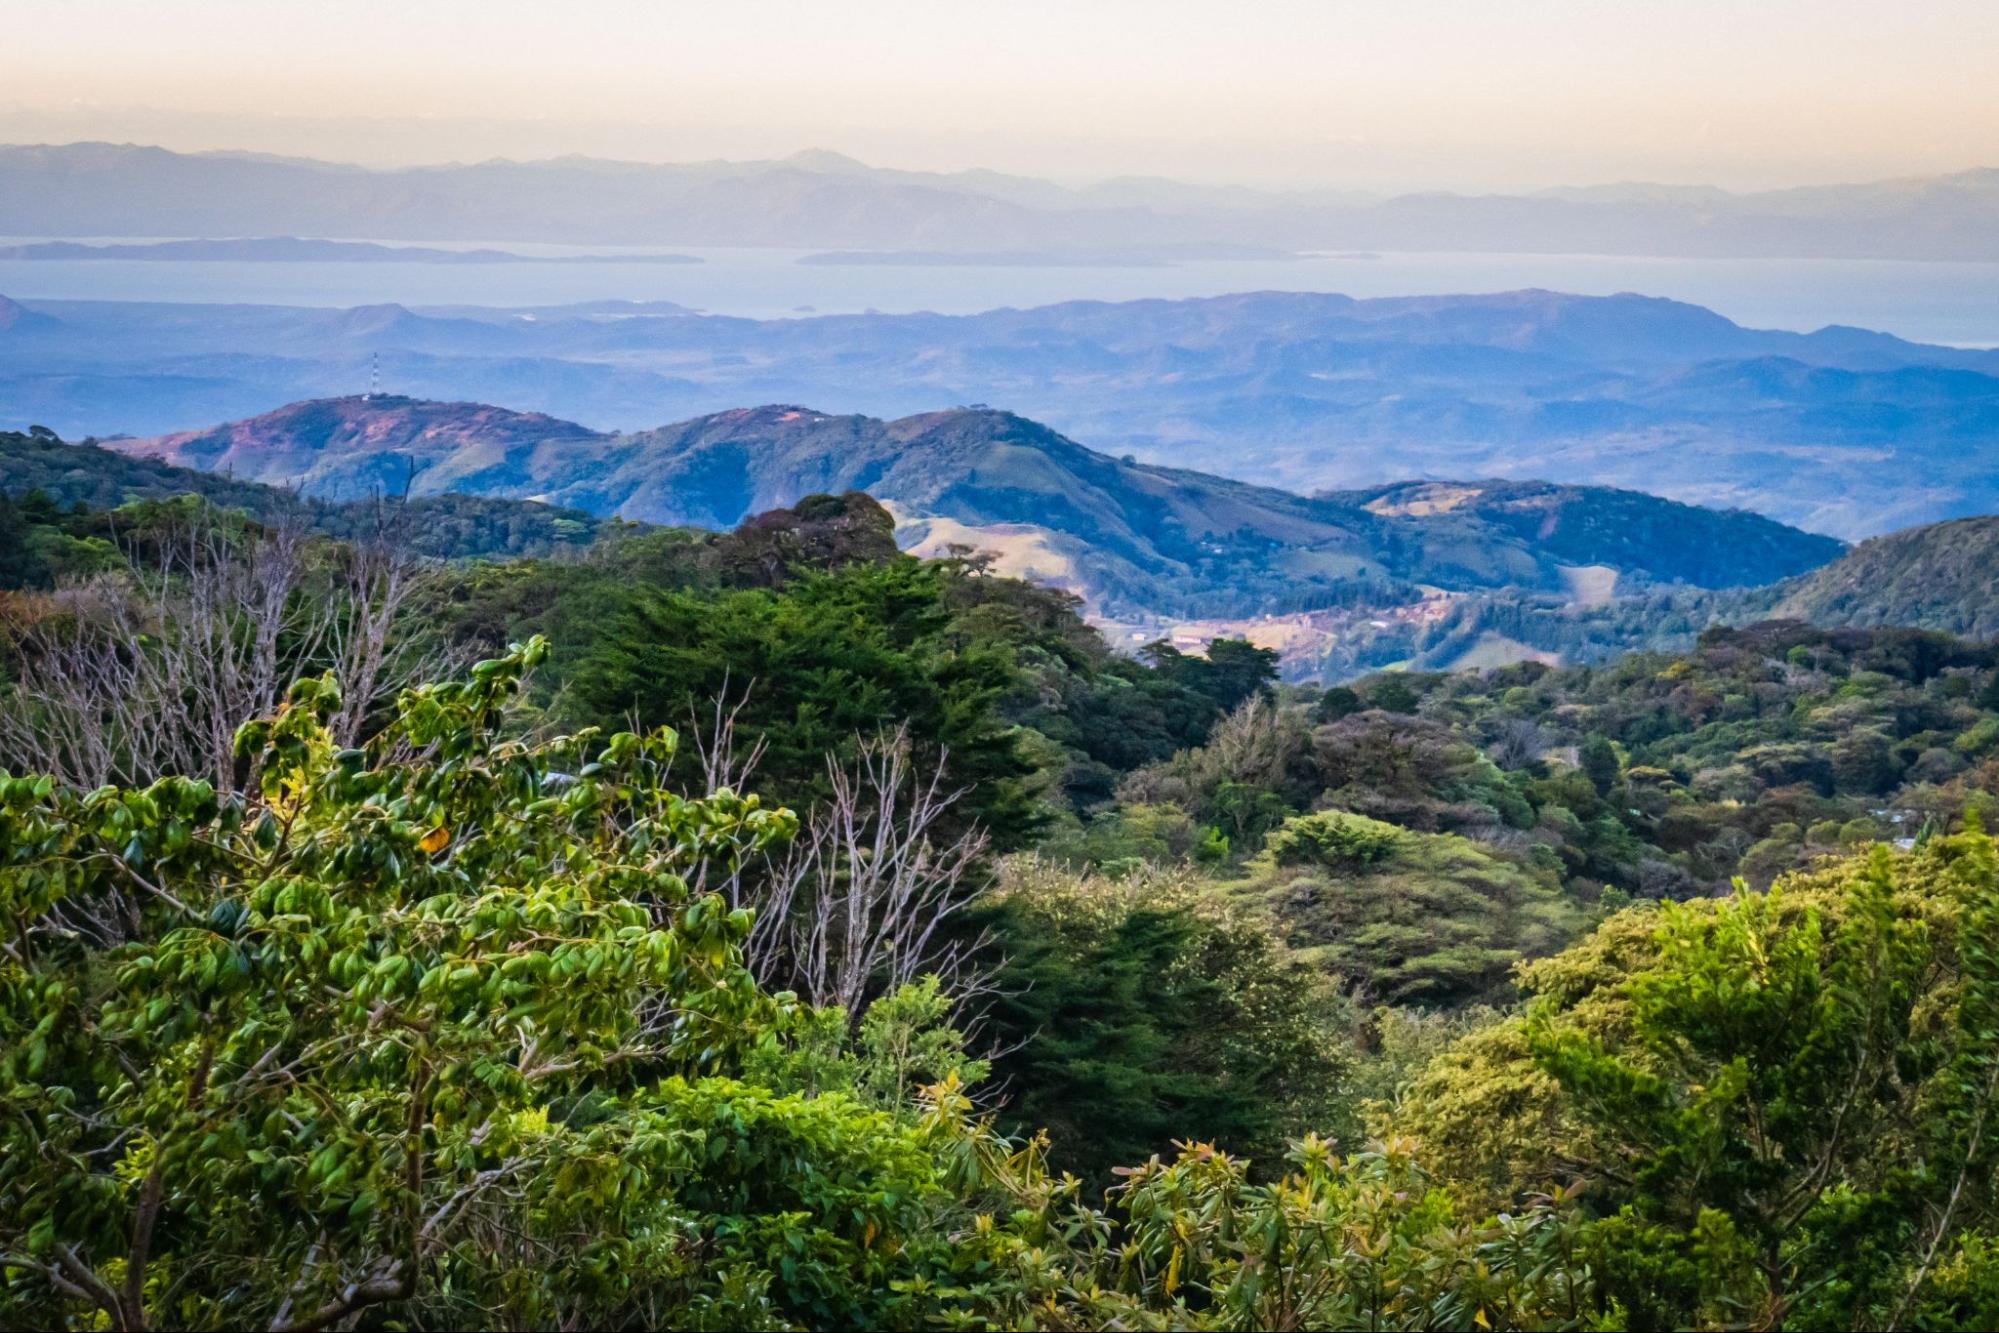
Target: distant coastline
[[1140, 257], [297, 250]]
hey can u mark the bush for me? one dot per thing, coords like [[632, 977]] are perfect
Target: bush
[[1334, 839]]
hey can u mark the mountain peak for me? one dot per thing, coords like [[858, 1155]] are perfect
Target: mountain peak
[[344, 447], [826, 160]]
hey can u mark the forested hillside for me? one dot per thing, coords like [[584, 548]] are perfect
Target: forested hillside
[[47, 480], [770, 928], [1138, 542], [1944, 576]]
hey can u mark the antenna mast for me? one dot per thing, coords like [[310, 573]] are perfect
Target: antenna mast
[[374, 377]]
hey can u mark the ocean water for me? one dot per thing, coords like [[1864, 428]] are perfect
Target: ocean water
[[1954, 303]]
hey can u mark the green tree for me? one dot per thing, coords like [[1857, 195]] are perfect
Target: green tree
[[1598, 759], [1136, 1012], [19, 567], [1864, 762], [1791, 1131], [1236, 670], [1407, 917], [1393, 694], [1333, 839], [439, 1026], [820, 532], [1228, 671], [817, 666], [1338, 702]]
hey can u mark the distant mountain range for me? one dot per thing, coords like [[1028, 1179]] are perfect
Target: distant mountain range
[[1842, 431], [294, 250], [822, 200], [1138, 541]]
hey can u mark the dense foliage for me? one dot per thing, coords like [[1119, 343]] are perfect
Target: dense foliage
[[447, 1030], [425, 1026], [1139, 1011], [1762, 748], [343, 984], [68, 491], [1658, 775], [1783, 1102]]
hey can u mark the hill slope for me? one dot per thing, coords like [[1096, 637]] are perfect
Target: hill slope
[[445, 525], [1135, 539], [1944, 576], [343, 448]]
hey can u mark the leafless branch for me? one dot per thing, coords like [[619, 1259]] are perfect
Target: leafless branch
[[127, 676], [867, 896]]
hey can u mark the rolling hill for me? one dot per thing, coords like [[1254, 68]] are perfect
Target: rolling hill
[[1136, 540], [1842, 431]]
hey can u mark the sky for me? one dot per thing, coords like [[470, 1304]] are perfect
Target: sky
[[1468, 95]]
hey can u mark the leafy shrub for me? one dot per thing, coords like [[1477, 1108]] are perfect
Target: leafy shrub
[[1333, 838]]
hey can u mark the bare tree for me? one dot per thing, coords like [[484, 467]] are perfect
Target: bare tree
[[127, 676], [149, 671], [1252, 748], [370, 659], [80, 707], [1517, 743], [725, 766], [867, 896], [1256, 743]]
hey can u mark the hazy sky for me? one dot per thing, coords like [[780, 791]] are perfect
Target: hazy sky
[[1466, 94]]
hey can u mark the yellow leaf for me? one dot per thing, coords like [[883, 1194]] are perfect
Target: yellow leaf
[[1480, 1318], [434, 840]]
